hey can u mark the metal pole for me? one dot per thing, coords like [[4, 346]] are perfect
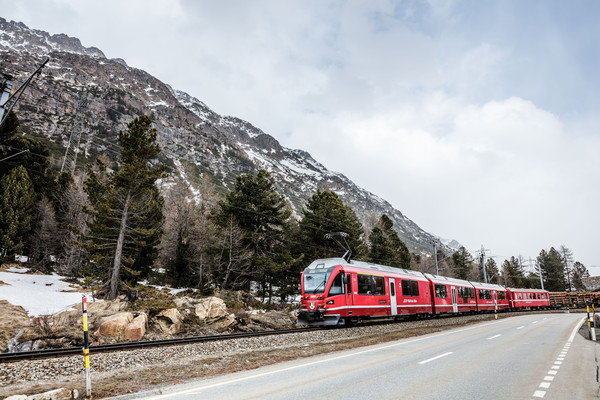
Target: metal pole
[[540, 272], [19, 92], [483, 264], [435, 257], [86, 351]]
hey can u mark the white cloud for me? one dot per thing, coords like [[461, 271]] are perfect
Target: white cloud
[[477, 121]]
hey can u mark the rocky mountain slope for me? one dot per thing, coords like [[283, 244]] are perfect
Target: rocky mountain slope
[[82, 99]]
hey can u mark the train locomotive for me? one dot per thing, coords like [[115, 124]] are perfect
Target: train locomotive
[[340, 292]]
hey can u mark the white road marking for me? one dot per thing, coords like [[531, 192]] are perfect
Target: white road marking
[[545, 385], [521, 327], [575, 329], [539, 393], [552, 372], [555, 367], [534, 322], [548, 378], [493, 337], [436, 357]]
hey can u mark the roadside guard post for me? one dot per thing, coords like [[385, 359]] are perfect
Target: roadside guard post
[[86, 351], [592, 331], [594, 322]]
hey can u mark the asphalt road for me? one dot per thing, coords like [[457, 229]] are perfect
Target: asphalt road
[[524, 357]]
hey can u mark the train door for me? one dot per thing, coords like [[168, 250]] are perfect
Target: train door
[[393, 303], [349, 295], [454, 302]]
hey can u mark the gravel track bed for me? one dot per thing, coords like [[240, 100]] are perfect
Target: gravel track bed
[[39, 371]]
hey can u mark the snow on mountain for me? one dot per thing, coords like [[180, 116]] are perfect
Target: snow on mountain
[[190, 134]]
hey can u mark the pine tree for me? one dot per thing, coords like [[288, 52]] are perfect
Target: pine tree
[[263, 217], [580, 272], [126, 207], [512, 273], [463, 263], [553, 272], [16, 203], [326, 213], [386, 246], [492, 272]]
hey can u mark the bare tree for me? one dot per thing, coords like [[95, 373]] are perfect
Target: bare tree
[[44, 247], [233, 263]]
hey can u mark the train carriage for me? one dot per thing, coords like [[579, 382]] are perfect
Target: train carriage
[[452, 295], [335, 291], [529, 298], [487, 295]]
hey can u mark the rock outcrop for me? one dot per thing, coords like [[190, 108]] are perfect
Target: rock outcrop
[[137, 328], [213, 311], [169, 321], [115, 326]]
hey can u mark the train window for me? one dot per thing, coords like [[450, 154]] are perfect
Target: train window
[[501, 295], [379, 285], [466, 293], [441, 291], [364, 284], [410, 288], [337, 286], [485, 294], [392, 289]]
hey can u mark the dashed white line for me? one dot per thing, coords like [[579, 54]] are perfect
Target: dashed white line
[[493, 337], [559, 360], [435, 358], [521, 327]]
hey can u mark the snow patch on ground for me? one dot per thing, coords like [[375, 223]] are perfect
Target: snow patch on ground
[[38, 294]]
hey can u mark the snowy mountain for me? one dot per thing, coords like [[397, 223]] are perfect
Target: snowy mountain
[[82, 99]]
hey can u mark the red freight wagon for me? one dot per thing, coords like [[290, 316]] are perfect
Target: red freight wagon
[[452, 295], [529, 298], [335, 291]]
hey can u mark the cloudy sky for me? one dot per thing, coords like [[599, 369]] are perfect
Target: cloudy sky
[[477, 119]]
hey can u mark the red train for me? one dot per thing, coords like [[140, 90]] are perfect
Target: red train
[[338, 292]]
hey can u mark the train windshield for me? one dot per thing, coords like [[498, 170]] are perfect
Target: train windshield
[[315, 278]]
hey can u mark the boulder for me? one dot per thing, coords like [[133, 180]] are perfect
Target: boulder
[[274, 320], [57, 394], [115, 325], [169, 321], [137, 328], [213, 311]]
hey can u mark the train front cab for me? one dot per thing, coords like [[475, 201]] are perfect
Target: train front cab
[[326, 291], [335, 292]]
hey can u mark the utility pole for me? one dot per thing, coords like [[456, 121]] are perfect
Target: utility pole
[[539, 267], [483, 264], [70, 158], [435, 257], [5, 88], [17, 93]]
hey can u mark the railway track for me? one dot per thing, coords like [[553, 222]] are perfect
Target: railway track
[[104, 348]]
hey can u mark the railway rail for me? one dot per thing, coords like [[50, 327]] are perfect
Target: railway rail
[[103, 348]]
